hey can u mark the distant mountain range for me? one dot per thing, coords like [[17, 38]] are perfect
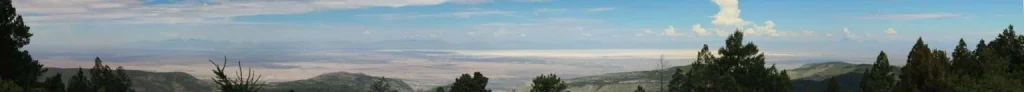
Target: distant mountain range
[[337, 82], [144, 81], [805, 77]]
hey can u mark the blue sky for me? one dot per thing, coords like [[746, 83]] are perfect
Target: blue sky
[[298, 39], [92, 22]]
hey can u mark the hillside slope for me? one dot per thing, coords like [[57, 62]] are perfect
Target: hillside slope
[[805, 77], [337, 82]]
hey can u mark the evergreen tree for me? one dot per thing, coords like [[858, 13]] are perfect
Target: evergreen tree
[[123, 82], [1008, 45], [880, 77], [54, 84], [833, 85], [924, 71], [965, 62], [439, 89], [702, 76], [381, 85], [16, 64], [740, 67], [249, 82], [548, 83], [639, 89], [676, 84], [466, 83], [103, 78], [79, 83]]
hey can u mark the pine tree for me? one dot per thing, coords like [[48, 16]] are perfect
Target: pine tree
[[16, 64], [880, 77], [249, 82], [964, 61], [1008, 45], [924, 71], [740, 67], [703, 76], [54, 84], [103, 78], [79, 83], [466, 83], [833, 85], [548, 83], [381, 85], [639, 89]]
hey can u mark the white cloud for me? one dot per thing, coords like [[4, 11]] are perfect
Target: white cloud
[[471, 1], [728, 14], [699, 30], [670, 31], [601, 9], [550, 10], [189, 11], [768, 28], [912, 16], [459, 14], [728, 17], [890, 32], [722, 33]]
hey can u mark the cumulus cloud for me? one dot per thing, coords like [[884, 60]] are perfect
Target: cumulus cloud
[[145, 11], [767, 29], [912, 16], [601, 9], [728, 17], [890, 32], [850, 36], [728, 14], [699, 30], [670, 31]]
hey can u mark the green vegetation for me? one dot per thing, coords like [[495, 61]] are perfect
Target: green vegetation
[[16, 65], [381, 85], [990, 67], [880, 77], [55, 84], [248, 82], [995, 66], [740, 67], [548, 83], [466, 83]]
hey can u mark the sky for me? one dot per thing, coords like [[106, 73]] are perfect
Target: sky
[[511, 40], [91, 22]]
